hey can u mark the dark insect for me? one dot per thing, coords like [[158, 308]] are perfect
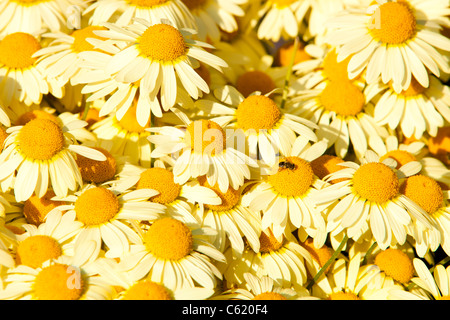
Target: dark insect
[[287, 165]]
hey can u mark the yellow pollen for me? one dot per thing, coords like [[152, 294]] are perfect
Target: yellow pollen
[[162, 42], [401, 156], [161, 180], [396, 23], [342, 97], [376, 182], [147, 290], [169, 239], [229, 198], [146, 3], [80, 44], [35, 209], [34, 250], [193, 4], [56, 282], [258, 113], [16, 50], [269, 243], [129, 121], [252, 81], [96, 206], [424, 191], [29, 2], [293, 182], [444, 298], [97, 171], [282, 3], [35, 114], [269, 296], [3, 136], [396, 264], [321, 255], [40, 139], [326, 164], [333, 70], [206, 137], [343, 296], [283, 56]]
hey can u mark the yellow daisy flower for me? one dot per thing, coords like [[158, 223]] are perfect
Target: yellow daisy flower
[[105, 212], [175, 254], [201, 147], [154, 57], [268, 129], [392, 40], [42, 153], [370, 197]]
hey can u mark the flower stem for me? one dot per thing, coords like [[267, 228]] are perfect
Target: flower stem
[[328, 263]]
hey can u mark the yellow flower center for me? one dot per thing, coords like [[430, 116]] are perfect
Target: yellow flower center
[[343, 296], [394, 23], [96, 206], [57, 282], [444, 298], [252, 81], [295, 180], [326, 164], [396, 264], [414, 89], [33, 251], [169, 239], [282, 3], [160, 179], [424, 191], [321, 255], [258, 113], [35, 114], [402, 157], [97, 171], [268, 242], [269, 296], [162, 42], [35, 209], [146, 3], [16, 50], [193, 4], [333, 70], [376, 182], [80, 44], [284, 54], [40, 139], [29, 2], [206, 137], [342, 97], [129, 121], [229, 198], [147, 290]]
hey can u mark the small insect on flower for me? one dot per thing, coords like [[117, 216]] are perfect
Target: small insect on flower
[[287, 165]]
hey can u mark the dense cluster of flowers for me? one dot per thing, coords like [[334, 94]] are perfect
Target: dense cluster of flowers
[[211, 149]]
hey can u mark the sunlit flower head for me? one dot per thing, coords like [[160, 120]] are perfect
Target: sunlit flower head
[[370, 196], [42, 151], [202, 148], [267, 128], [392, 40], [175, 254], [284, 194], [105, 213], [153, 57]]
